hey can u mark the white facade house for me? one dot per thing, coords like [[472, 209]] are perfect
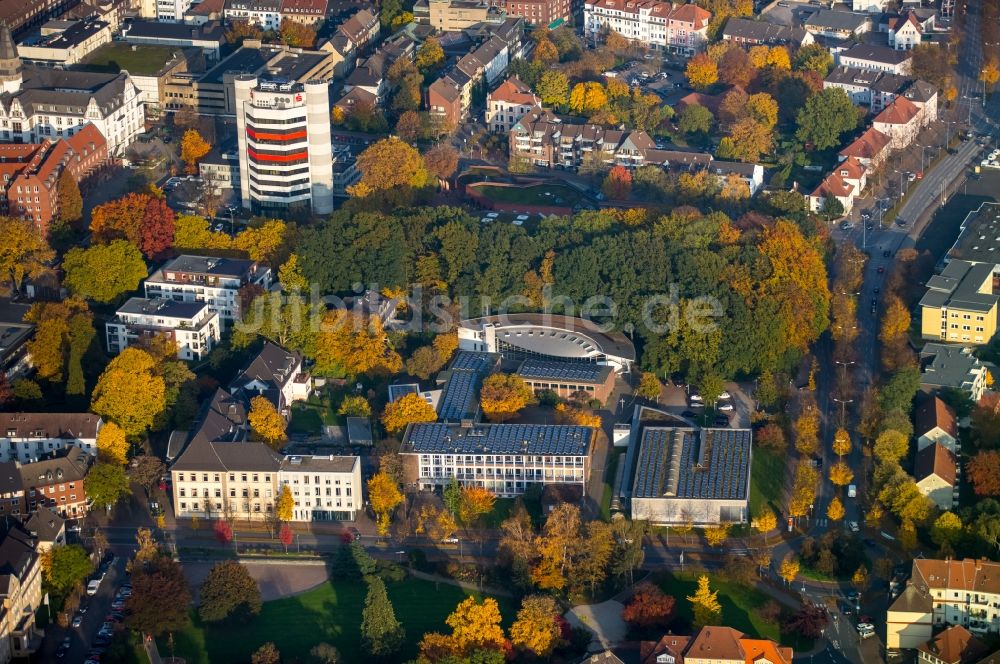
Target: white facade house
[[263, 13], [510, 102], [936, 473], [275, 373], [869, 6], [875, 57], [193, 327], [214, 281], [172, 11], [285, 147], [28, 437], [680, 28], [325, 488], [905, 32]]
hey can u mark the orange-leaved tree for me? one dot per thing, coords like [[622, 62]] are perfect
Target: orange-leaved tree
[[193, 148], [408, 409], [503, 395]]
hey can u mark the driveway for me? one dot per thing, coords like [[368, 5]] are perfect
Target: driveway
[[604, 620], [276, 580]]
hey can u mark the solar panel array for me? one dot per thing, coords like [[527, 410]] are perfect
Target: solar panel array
[[584, 372], [535, 439], [672, 464], [467, 360], [459, 399]]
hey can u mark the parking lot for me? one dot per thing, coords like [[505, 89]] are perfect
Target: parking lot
[[73, 644]]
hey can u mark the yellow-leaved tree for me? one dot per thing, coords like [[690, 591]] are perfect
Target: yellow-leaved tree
[[389, 164], [570, 415], [130, 393], [112, 445], [649, 386], [789, 568], [354, 344], [384, 497], [841, 474], [716, 535], [408, 409], [705, 604], [841, 442], [24, 252], [266, 423], [475, 501], [702, 72], [835, 510], [503, 395], [536, 630], [285, 505], [193, 148], [765, 522]]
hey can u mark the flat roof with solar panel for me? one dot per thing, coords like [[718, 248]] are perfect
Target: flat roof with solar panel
[[577, 372], [460, 399], [708, 464], [531, 439]]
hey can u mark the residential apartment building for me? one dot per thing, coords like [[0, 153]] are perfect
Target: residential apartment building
[[678, 28], [875, 57], [28, 437], [712, 645], [22, 15], [172, 11], [275, 373], [65, 42], [20, 591], [265, 14], [508, 103], [306, 12], [960, 305], [947, 366], [936, 473], [30, 172], [504, 458], [955, 645], [12, 501], [538, 13], [845, 183], [192, 325], [216, 281], [900, 121], [942, 593], [457, 15], [749, 32], [58, 483], [935, 422], [325, 488], [285, 147], [450, 97], [871, 149]]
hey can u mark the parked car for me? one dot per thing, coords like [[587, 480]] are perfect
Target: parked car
[[853, 525], [93, 587], [725, 395], [695, 398], [77, 620], [724, 407]]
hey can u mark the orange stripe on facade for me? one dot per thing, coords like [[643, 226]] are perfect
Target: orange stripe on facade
[[277, 157], [275, 137]]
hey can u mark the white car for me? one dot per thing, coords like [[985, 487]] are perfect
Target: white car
[[866, 627], [725, 395], [93, 587], [853, 525], [696, 398], [725, 407]]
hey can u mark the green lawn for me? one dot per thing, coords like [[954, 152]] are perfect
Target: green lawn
[[539, 194], [309, 416], [738, 604], [144, 61], [330, 613], [767, 479], [609, 483]]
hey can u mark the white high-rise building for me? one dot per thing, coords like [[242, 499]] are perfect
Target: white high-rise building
[[286, 156], [172, 10]]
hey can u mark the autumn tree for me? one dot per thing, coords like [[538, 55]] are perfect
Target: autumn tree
[[553, 89], [382, 635], [750, 139], [354, 405], [146, 611], [835, 510], [156, 233], [587, 98], [716, 535], [296, 34], [566, 414], [384, 497], [441, 160], [895, 321], [649, 386], [61, 338], [545, 52], [702, 71], [70, 200], [266, 654], [104, 272], [763, 109], [476, 625], [535, 630], [24, 252], [841, 443], [266, 423], [408, 409], [891, 445], [229, 592], [983, 470], [223, 531], [648, 607], [474, 503], [429, 57], [354, 344], [947, 529], [813, 57], [389, 164], [803, 489], [503, 395], [618, 183], [112, 445], [106, 484], [410, 126], [130, 393], [789, 568], [284, 506], [809, 621], [841, 474], [193, 148], [705, 604], [807, 430]]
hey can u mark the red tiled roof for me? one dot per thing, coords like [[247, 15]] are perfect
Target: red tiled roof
[[833, 185], [901, 111], [514, 91], [933, 412], [935, 460], [867, 146], [955, 645]]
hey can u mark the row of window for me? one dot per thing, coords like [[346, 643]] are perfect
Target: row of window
[[218, 493], [520, 460], [216, 477]]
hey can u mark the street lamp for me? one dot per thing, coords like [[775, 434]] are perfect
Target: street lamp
[[843, 408]]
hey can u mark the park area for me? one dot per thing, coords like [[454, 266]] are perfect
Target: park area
[[119, 56], [329, 613], [767, 480]]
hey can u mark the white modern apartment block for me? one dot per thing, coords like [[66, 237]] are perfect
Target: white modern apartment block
[[264, 13], [214, 281], [504, 458], [286, 153], [325, 488], [678, 28], [945, 592], [172, 10], [28, 437], [194, 328]]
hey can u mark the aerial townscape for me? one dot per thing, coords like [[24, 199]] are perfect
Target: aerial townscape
[[500, 331]]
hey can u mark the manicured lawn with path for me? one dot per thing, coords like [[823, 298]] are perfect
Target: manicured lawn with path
[[330, 613], [767, 479], [738, 607], [118, 55]]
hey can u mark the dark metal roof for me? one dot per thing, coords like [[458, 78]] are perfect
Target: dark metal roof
[[581, 372], [688, 463], [532, 439]]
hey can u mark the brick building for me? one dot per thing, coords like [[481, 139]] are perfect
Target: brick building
[[542, 13], [58, 483]]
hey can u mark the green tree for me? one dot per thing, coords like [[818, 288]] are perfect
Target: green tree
[[947, 529], [826, 116], [891, 446], [81, 335], [104, 272], [381, 634], [106, 484], [67, 566], [814, 57], [695, 119], [832, 208], [553, 88], [229, 592]]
